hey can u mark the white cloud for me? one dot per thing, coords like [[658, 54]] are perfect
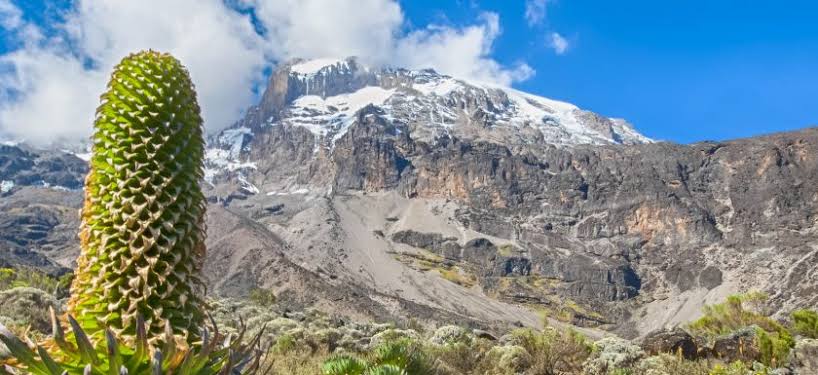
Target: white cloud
[[50, 86], [558, 43], [10, 16], [461, 52], [329, 28], [535, 11]]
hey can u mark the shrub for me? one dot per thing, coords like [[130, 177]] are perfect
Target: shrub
[[262, 297], [774, 347], [723, 318], [612, 354], [553, 351], [449, 335], [805, 323], [773, 339], [32, 278], [28, 307]]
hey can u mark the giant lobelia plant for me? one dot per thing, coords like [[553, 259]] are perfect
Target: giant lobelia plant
[[136, 303]]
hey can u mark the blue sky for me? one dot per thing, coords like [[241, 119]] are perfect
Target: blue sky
[[682, 71], [678, 70]]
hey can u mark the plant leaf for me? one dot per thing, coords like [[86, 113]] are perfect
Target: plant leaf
[[84, 345]]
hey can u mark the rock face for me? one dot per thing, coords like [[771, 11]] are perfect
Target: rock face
[[397, 189]]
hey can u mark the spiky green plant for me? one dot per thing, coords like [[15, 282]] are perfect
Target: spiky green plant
[[400, 357], [136, 294], [77, 354], [142, 231]]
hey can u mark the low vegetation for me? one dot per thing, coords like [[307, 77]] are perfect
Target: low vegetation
[[31, 278], [311, 342]]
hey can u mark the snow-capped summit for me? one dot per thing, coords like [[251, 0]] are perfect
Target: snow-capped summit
[[325, 95]]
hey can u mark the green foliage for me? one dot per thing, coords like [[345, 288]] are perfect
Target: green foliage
[[805, 323], [262, 297], [75, 353], [31, 278], [553, 351], [142, 229], [396, 357], [774, 347], [773, 339], [735, 368], [724, 318]]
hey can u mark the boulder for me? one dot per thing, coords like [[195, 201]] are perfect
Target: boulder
[[481, 334], [675, 341], [740, 345], [805, 356]]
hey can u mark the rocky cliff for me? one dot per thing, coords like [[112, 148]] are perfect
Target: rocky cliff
[[397, 193]]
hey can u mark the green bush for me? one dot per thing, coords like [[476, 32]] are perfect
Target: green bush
[[724, 318], [774, 346], [262, 297], [773, 339], [805, 323]]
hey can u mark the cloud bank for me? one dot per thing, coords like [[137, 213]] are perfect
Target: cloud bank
[[50, 82]]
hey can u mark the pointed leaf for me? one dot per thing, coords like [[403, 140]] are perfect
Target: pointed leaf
[[22, 352], [114, 359], [141, 341], [84, 345], [156, 363], [49, 363]]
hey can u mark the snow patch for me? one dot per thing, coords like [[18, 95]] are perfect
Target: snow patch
[[54, 187], [300, 191], [334, 114], [6, 186], [247, 185], [624, 128], [218, 160], [84, 156], [439, 87], [314, 66], [234, 140]]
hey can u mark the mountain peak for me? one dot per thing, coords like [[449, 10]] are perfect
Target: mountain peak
[[311, 67], [323, 95]]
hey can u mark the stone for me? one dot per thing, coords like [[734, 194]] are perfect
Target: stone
[[675, 341], [740, 345], [481, 334], [805, 356]]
